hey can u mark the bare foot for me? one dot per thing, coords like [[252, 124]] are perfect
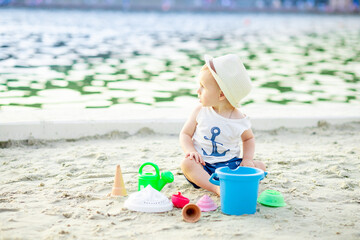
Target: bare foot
[[218, 191]]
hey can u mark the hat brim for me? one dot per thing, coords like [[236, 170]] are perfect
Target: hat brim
[[220, 82]]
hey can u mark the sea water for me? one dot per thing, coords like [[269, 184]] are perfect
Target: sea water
[[99, 59]]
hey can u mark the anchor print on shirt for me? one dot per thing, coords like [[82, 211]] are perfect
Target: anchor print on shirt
[[215, 131]]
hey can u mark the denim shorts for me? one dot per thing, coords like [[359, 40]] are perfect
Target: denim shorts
[[210, 168]]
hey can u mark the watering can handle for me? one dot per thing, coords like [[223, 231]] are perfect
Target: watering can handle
[[212, 179], [152, 164]]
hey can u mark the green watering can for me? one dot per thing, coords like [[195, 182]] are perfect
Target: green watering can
[[154, 179]]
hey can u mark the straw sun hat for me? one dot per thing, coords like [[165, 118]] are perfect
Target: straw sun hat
[[231, 76]]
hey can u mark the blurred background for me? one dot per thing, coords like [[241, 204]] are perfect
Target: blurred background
[[203, 5], [82, 54]]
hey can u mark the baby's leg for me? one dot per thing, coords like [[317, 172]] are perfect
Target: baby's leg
[[260, 165], [196, 174]]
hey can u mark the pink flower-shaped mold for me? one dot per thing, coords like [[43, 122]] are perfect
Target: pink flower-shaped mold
[[206, 204]]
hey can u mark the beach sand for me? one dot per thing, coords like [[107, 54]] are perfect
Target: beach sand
[[58, 189]]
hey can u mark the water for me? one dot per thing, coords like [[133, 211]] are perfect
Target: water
[[98, 59]]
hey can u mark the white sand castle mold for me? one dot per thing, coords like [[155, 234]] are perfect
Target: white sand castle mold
[[148, 200]]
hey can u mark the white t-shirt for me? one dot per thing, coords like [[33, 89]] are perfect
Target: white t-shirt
[[217, 138]]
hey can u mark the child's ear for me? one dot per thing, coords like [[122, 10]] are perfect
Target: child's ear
[[222, 95]]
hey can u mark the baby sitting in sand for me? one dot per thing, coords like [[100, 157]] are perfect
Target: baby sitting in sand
[[210, 137]]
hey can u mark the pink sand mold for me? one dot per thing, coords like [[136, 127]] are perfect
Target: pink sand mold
[[206, 204], [179, 200]]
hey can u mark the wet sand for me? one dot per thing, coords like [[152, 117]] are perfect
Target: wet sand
[[58, 189]]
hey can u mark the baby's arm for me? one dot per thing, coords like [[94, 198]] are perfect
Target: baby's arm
[[248, 148], [186, 135]]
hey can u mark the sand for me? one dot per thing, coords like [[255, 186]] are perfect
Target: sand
[[58, 189]]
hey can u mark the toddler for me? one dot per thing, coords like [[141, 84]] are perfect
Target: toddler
[[210, 137]]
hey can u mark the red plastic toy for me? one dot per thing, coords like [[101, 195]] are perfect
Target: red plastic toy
[[179, 200]]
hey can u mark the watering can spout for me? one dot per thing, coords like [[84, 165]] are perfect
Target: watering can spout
[[166, 177]]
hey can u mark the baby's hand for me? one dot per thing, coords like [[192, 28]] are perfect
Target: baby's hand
[[247, 163], [196, 157]]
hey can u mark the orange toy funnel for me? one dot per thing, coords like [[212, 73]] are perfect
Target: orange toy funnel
[[119, 186], [191, 213]]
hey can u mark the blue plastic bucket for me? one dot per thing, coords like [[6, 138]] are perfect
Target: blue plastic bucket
[[238, 189]]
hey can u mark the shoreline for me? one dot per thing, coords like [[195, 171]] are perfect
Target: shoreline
[[183, 9], [56, 130], [54, 124]]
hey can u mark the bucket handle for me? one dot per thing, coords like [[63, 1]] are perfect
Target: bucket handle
[[157, 171], [217, 182], [213, 180], [265, 173]]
